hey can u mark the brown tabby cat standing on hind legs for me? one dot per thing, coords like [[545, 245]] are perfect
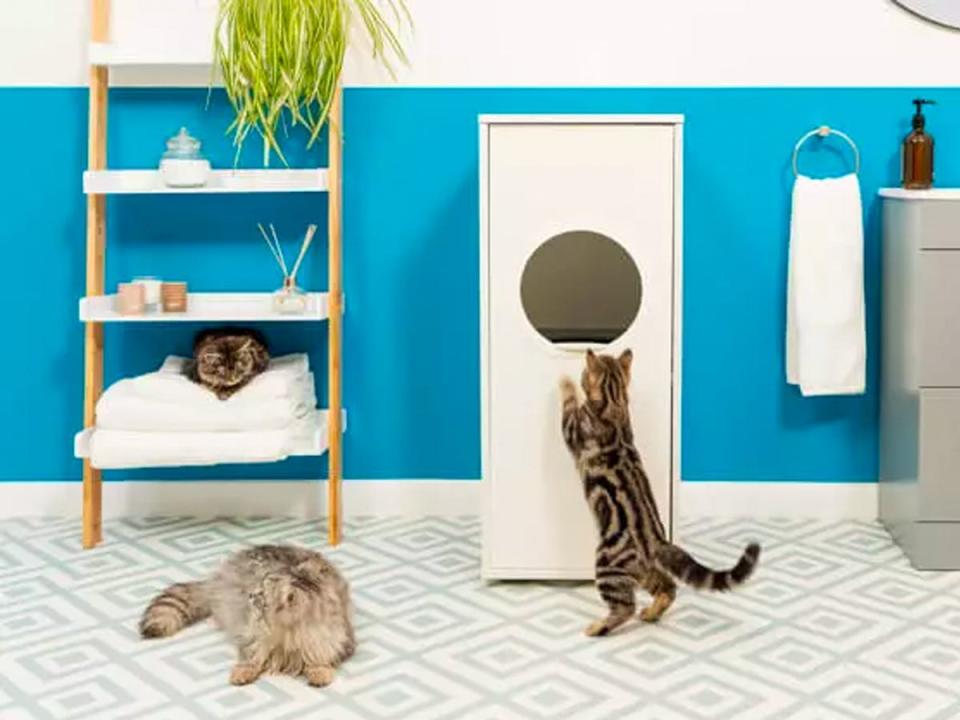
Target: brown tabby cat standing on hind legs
[[633, 548], [286, 609]]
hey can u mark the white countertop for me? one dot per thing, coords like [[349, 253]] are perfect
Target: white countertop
[[931, 194]]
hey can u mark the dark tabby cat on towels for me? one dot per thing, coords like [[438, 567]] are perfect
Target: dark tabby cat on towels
[[633, 548], [226, 359], [286, 609]]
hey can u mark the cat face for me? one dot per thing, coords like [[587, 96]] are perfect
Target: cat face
[[291, 599], [225, 363], [605, 379]]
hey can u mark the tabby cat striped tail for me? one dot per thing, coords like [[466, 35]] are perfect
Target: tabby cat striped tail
[[679, 563], [175, 608]]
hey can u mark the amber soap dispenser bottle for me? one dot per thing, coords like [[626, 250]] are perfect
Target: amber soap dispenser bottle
[[918, 152]]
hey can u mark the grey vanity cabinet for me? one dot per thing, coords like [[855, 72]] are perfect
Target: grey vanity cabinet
[[920, 375]]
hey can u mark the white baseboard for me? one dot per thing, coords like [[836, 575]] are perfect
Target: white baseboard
[[410, 498], [297, 498], [827, 500]]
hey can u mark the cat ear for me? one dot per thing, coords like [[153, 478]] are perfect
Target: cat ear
[[309, 568], [593, 364], [625, 360]]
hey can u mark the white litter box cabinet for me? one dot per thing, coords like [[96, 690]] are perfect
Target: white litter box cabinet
[[580, 243]]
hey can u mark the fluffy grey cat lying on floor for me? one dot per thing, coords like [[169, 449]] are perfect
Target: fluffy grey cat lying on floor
[[286, 609]]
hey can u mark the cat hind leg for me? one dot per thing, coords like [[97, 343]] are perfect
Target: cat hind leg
[[662, 589], [617, 591]]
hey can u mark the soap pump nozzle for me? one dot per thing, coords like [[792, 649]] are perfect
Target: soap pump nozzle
[[918, 119]]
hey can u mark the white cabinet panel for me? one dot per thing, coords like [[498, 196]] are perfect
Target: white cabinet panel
[[597, 185]]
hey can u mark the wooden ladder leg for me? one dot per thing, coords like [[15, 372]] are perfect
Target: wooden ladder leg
[[335, 323], [93, 366], [96, 248], [92, 483]]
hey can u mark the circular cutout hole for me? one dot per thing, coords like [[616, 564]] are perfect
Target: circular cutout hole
[[581, 287]]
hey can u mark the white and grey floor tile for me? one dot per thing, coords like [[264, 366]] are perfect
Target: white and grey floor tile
[[835, 625]]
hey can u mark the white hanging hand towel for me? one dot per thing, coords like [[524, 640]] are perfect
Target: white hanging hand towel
[[826, 333]]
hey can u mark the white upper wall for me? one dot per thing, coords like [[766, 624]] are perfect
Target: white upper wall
[[548, 42]]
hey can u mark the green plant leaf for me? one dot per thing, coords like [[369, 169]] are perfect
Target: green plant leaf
[[280, 60]]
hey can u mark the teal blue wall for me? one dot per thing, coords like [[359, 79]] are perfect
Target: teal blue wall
[[410, 254]]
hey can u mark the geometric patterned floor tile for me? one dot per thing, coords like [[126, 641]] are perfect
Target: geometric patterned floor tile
[[835, 626]]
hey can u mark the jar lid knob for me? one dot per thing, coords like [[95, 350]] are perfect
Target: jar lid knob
[[183, 143]]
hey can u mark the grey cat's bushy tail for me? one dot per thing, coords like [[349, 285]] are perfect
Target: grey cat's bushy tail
[[679, 563], [175, 608]]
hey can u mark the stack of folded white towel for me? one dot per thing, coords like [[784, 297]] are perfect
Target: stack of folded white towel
[[164, 419]]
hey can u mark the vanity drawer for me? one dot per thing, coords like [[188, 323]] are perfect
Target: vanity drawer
[[939, 455], [939, 319], [938, 222]]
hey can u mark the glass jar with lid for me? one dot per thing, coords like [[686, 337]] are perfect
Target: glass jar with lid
[[182, 164]]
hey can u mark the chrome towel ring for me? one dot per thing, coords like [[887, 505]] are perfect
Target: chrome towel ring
[[823, 131]]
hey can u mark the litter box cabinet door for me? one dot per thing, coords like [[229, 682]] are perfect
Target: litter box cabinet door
[[580, 248]]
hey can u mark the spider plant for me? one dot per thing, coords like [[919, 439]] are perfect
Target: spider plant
[[281, 60]]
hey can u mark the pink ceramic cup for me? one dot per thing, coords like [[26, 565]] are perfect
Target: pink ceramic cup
[[130, 298]]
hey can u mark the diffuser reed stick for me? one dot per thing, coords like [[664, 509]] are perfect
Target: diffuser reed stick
[[311, 230], [276, 250], [289, 299], [273, 242]]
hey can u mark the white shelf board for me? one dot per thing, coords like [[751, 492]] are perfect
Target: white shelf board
[[142, 182], [313, 443], [117, 55], [208, 307]]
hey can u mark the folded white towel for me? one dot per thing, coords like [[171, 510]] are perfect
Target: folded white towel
[[280, 379], [116, 449], [826, 334], [168, 402]]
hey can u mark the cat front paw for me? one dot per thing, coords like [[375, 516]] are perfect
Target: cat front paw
[[568, 391], [243, 674], [319, 676]]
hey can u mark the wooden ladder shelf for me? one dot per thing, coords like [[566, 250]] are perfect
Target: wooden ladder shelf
[[98, 183]]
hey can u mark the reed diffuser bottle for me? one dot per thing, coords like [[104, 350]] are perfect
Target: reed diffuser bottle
[[918, 152], [289, 299]]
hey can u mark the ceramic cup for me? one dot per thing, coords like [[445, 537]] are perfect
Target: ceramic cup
[[151, 292], [174, 296], [130, 299]]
